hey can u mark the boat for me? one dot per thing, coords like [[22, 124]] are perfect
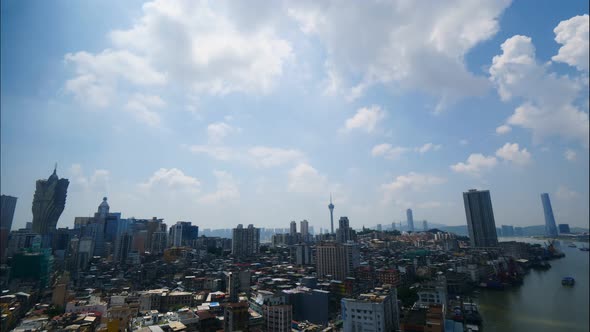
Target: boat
[[584, 249], [572, 245], [568, 281]]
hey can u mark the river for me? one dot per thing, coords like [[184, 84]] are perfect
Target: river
[[542, 303]]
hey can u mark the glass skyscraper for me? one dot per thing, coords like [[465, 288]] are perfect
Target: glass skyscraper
[[480, 218], [550, 228]]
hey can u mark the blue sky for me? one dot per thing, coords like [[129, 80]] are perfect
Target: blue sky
[[225, 112]]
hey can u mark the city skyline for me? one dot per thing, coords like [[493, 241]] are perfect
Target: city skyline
[[300, 114]]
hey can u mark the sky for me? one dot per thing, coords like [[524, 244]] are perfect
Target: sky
[[254, 112]]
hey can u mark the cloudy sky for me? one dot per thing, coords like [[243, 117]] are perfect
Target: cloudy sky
[[254, 112]]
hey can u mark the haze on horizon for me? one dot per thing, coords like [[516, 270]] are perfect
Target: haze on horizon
[[222, 112]]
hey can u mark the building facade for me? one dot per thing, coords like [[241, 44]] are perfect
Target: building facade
[[480, 218]]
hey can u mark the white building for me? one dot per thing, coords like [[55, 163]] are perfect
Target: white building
[[376, 311]]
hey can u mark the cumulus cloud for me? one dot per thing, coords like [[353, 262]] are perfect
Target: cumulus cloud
[[393, 152], [216, 152], [185, 42], [172, 179], [402, 43], [256, 156], [409, 182], [366, 118], [205, 47], [227, 189], [511, 152], [548, 108], [565, 193], [264, 157], [573, 35], [476, 163], [428, 147], [570, 154], [388, 151], [305, 179], [97, 181], [217, 131], [97, 75], [142, 108], [503, 129]]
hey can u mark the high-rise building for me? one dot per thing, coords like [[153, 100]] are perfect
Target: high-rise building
[[236, 317], [410, 217], [375, 311], [425, 225], [304, 228], [564, 229], [122, 248], [507, 230], [336, 259], [345, 233], [49, 202], [175, 237], [293, 228], [7, 206], [550, 228], [379, 228], [245, 241], [480, 218], [331, 207]]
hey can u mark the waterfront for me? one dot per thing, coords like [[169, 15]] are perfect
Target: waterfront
[[542, 303]]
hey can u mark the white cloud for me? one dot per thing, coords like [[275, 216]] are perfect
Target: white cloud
[[463, 142], [548, 107], [142, 107], [511, 152], [402, 43], [227, 189], [427, 147], [503, 129], [209, 48], [366, 118], [306, 179], [97, 75], [217, 131], [215, 152], [98, 181], [564, 193], [409, 182], [263, 156], [573, 35], [476, 163], [256, 156], [172, 179], [570, 154], [388, 151]]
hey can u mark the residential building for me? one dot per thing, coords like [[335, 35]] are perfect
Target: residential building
[[375, 311], [336, 260], [245, 241]]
